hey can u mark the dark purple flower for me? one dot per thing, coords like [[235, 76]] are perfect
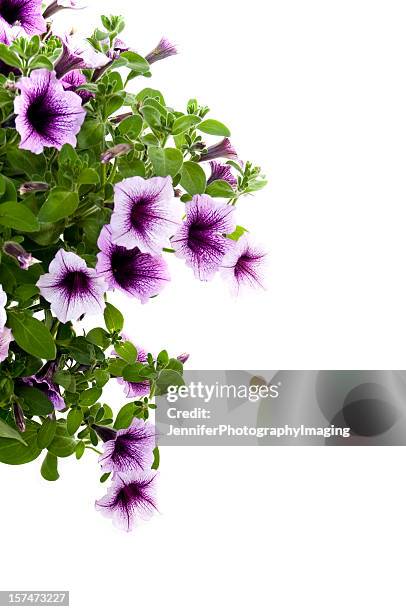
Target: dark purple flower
[[78, 54], [59, 5], [144, 213], [5, 338], [47, 115], [141, 275], [120, 149], [43, 380], [17, 252], [71, 287], [200, 240], [22, 14], [136, 389], [221, 172], [131, 449], [163, 50], [19, 417], [244, 265], [130, 497], [74, 79], [224, 148]]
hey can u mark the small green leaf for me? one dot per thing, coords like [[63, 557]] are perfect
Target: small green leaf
[[9, 57], [18, 216], [125, 416], [155, 464], [35, 400], [168, 378], [88, 176], [58, 205], [165, 161], [131, 126], [90, 396], [220, 189], [79, 450], [74, 421], [46, 433], [105, 477], [135, 62], [13, 452], [32, 335], [6, 431], [213, 127], [184, 123], [49, 467], [63, 445], [91, 134], [99, 336], [127, 351], [193, 178], [131, 373], [237, 233], [113, 318]]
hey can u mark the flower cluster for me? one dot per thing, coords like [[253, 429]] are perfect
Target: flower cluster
[[99, 188]]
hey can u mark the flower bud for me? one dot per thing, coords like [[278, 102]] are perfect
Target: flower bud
[[183, 357], [224, 148], [15, 250], [163, 50], [120, 149], [32, 186], [19, 417]]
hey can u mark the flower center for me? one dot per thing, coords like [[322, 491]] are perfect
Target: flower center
[[39, 116], [122, 265], [11, 11], [140, 215], [75, 282]]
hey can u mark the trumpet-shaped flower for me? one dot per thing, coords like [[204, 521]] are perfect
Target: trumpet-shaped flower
[[131, 449], [221, 172], [47, 115], [224, 148], [78, 54], [43, 380], [74, 79], [130, 497], [244, 265], [144, 213], [163, 50], [200, 240], [71, 287], [22, 14], [5, 338]]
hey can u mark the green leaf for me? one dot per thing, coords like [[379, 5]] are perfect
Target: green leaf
[[213, 127], [9, 57], [46, 433], [82, 351], [63, 445], [131, 373], [165, 161], [237, 233], [32, 336], [99, 336], [65, 380], [220, 189], [127, 351], [91, 134], [152, 116], [155, 464], [125, 416], [35, 400], [18, 216], [116, 366], [168, 378], [6, 431], [25, 292], [14, 452], [113, 318], [74, 421], [41, 61], [105, 477], [90, 396], [135, 61], [184, 123], [193, 178], [131, 126], [88, 176], [58, 205], [148, 92], [79, 450], [49, 467]]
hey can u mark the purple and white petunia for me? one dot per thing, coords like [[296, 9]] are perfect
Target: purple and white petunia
[[140, 275], [136, 389], [19, 254], [74, 79], [43, 380], [130, 497], [221, 172], [131, 448], [200, 240], [145, 213], [224, 148], [59, 5], [244, 265], [22, 15], [5, 338], [78, 54], [163, 50], [71, 287], [47, 115], [3, 302]]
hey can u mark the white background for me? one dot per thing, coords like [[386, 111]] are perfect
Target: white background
[[315, 93]]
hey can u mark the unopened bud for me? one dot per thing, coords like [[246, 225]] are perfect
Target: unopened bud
[[120, 149]]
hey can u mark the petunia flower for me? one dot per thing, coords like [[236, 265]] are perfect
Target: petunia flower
[[224, 148], [43, 380], [3, 302], [47, 115], [5, 338], [19, 254], [136, 389], [78, 54], [163, 50], [25, 15], [74, 79], [130, 497], [221, 172], [244, 265], [71, 287], [59, 5], [130, 449], [200, 240], [144, 213], [183, 357], [138, 274]]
